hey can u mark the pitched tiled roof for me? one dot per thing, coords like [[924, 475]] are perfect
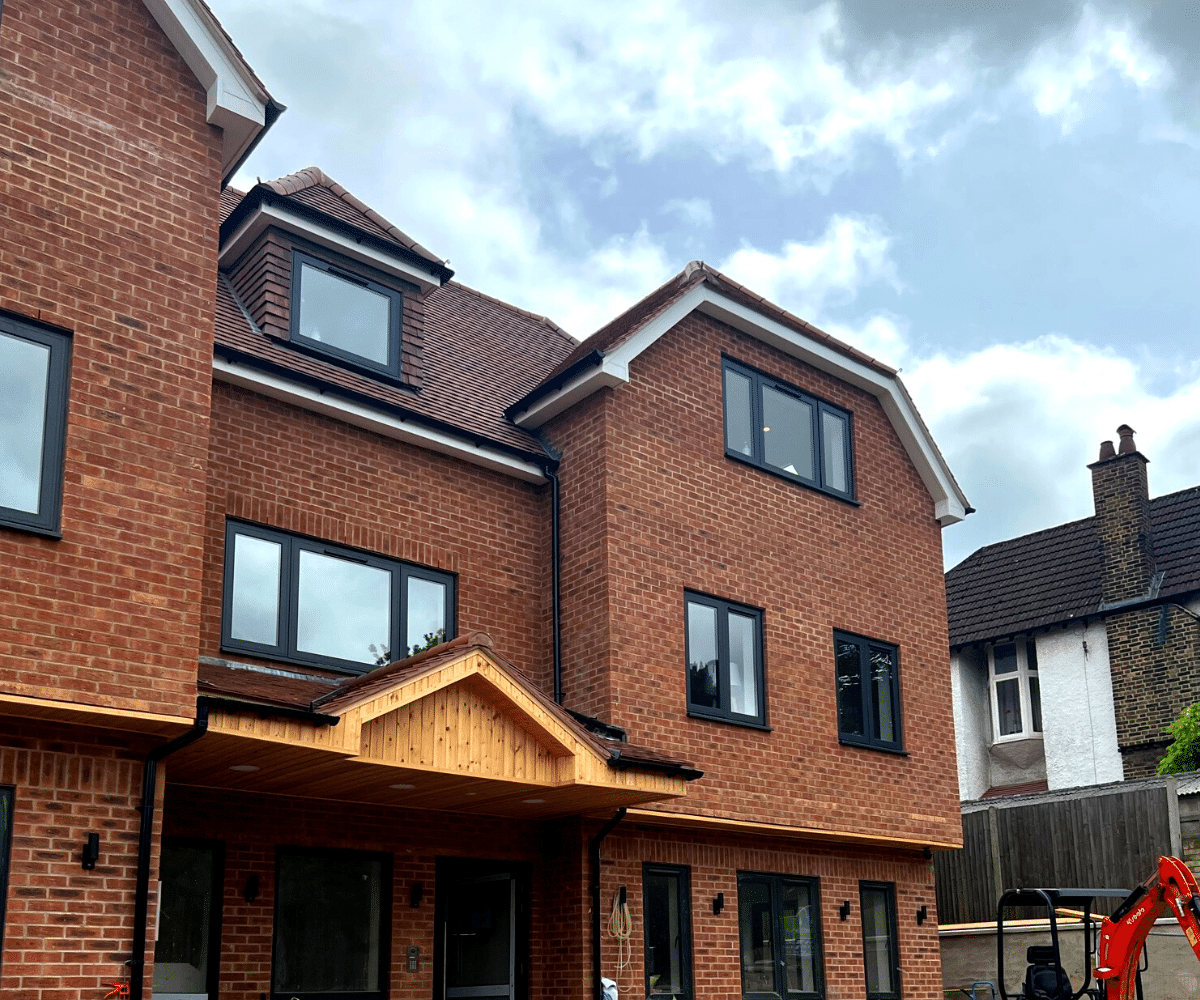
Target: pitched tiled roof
[[1053, 576], [312, 187], [480, 355], [230, 199]]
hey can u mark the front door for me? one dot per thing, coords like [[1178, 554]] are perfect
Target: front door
[[187, 947], [479, 926]]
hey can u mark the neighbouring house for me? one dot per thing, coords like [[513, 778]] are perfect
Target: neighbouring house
[[366, 636], [1073, 648]]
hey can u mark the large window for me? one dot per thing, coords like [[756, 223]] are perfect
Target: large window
[[784, 430], [668, 930], [1016, 694], [724, 660], [35, 365], [294, 598], [331, 926], [868, 692], [779, 927], [881, 954], [345, 315]]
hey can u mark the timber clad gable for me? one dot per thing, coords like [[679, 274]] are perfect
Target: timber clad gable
[[446, 657]]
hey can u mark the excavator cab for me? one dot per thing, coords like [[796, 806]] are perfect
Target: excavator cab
[[1046, 978]]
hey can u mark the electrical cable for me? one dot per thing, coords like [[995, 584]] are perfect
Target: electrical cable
[[620, 926]]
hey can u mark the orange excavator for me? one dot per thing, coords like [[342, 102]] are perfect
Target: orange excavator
[[1118, 940]]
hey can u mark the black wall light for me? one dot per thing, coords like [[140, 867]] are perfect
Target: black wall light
[[250, 892], [922, 915], [415, 894], [844, 909], [718, 902], [91, 852]]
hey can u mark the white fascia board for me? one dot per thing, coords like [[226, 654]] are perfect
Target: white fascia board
[[237, 102], [279, 217], [350, 412], [950, 505]]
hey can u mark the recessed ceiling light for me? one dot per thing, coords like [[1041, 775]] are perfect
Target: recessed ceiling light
[[400, 786], [533, 802], [244, 767], [472, 793]]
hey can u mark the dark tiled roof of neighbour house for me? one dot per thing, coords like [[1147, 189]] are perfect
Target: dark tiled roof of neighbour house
[[1053, 576], [324, 696], [479, 354]]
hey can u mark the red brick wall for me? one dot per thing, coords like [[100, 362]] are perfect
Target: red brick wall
[[108, 206], [279, 465], [68, 932], [660, 509]]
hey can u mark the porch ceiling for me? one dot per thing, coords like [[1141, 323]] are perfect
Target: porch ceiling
[[458, 732]]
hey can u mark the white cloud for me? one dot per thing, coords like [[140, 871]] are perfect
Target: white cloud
[[694, 212], [1060, 72]]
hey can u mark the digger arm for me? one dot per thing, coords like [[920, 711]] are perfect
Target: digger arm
[[1122, 936]]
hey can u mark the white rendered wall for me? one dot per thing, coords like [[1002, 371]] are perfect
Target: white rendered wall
[[1077, 707], [972, 723]]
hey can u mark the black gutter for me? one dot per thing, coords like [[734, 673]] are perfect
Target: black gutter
[[268, 711], [594, 855], [137, 964], [619, 763], [559, 380]]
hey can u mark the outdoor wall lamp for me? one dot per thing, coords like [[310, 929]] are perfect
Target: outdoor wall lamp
[[844, 909], [415, 894], [91, 852], [922, 914], [718, 903], [250, 892]]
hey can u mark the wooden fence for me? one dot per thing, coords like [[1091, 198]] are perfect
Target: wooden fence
[[1106, 836]]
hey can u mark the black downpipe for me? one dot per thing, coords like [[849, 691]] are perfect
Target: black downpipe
[[137, 966], [555, 584], [594, 854]]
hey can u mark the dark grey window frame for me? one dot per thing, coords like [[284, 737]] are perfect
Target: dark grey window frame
[[759, 379], [8, 797], [289, 583], [889, 888], [723, 713], [390, 371], [385, 924], [47, 521], [684, 874], [867, 691], [776, 880]]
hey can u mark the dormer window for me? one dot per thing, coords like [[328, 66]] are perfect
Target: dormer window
[[1016, 691], [345, 315]]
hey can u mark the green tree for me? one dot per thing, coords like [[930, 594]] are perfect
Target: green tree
[[1184, 753]]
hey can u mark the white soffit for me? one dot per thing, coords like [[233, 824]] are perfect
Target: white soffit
[[345, 246], [950, 505], [237, 103], [350, 412]]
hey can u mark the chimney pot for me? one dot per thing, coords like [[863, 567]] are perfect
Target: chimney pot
[[1127, 445], [1107, 451]]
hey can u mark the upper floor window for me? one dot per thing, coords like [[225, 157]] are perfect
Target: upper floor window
[[1016, 693], [35, 364], [784, 430], [868, 692], [345, 315], [724, 659], [293, 598]]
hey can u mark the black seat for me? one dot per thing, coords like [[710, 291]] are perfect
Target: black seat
[[1044, 980]]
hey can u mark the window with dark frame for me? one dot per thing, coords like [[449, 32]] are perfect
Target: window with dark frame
[[289, 597], [35, 368], [331, 924], [868, 692], [784, 430], [667, 923], [881, 952], [779, 932], [724, 660], [345, 315]]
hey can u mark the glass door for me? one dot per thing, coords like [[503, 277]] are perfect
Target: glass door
[[479, 937], [187, 948]]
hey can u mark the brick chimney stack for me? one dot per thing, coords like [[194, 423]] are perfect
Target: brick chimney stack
[[1121, 493]]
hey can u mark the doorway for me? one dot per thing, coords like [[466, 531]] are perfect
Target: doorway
[[482, 918], [187, 948]]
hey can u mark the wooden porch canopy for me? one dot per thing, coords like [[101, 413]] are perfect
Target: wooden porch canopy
[[456, 729]]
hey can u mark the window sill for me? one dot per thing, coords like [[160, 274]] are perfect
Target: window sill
[[31, 529], [794, 480], [340, 361], [849, 741], [694, 713], [348, 667]]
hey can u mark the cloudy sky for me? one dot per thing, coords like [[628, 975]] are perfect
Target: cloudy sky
[[1000, 199]]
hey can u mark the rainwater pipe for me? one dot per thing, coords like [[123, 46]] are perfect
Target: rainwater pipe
[[137, 964], [550, 470], [594, 856]]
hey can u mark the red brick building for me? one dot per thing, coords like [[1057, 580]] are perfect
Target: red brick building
[[366, 636]]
